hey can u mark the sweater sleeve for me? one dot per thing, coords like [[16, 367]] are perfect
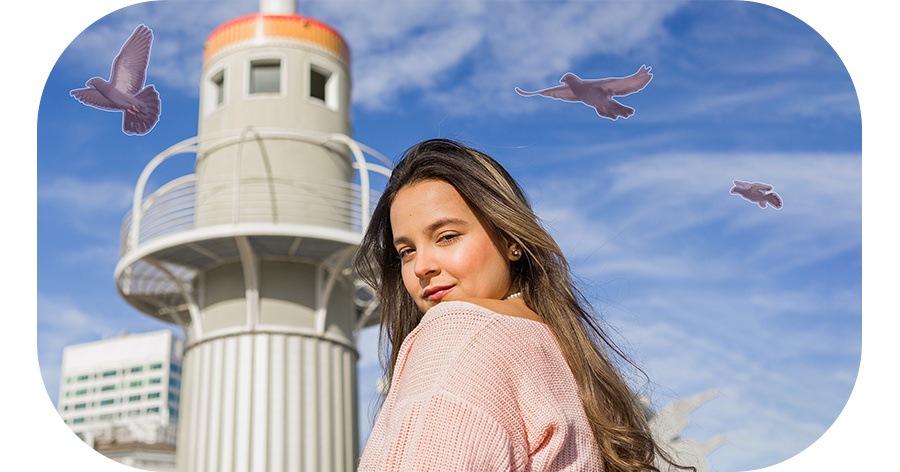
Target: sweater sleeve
[[442, 432]]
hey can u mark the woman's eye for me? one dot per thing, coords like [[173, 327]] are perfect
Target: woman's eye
[[404, 253], [448, 237]]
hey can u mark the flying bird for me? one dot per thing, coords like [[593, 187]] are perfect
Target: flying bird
[[125, 90], [757, 192], [597, 93]]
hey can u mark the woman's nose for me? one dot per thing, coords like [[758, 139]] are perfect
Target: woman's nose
[[426, 264]]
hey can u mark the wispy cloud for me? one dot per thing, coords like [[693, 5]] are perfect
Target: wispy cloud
[[89, 207], [402, 47], [522, 46], [701, 285], [443, 53], [652, 199], [84, 196], [61, 322], [180, 28]]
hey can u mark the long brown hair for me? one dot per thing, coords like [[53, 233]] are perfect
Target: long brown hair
[[616, 415]]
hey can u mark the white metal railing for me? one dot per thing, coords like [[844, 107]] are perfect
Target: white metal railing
[[173, 207]]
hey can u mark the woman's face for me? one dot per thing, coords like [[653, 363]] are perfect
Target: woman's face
[[446, 253]]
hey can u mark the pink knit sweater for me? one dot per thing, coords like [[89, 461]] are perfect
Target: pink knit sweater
[[475, 390]]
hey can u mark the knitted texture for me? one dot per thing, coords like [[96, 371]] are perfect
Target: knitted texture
[[475, 390]]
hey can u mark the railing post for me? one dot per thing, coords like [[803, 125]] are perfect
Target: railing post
[[134, 232]]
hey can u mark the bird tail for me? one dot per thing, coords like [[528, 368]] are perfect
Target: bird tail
[[774, 200], [145, 119], [613, 110]]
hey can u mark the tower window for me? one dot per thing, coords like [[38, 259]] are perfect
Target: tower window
[[317, 82], [323, 86], [265, 76], [218, 82]]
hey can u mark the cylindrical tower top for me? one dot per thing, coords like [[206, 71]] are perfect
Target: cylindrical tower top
[[259, 26], [277, 7]]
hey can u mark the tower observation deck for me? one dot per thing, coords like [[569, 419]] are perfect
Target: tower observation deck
[[250, 254]]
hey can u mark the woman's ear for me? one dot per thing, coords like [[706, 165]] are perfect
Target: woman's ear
[[514, 252]]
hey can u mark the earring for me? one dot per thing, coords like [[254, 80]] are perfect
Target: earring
[[515, 254]]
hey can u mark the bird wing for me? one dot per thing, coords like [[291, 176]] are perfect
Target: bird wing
[[740, 186], [620, 86], [92, 97], [559, 92], [759, 186], [129, 68]]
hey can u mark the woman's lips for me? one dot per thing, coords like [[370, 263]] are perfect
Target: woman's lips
[[435, 294]]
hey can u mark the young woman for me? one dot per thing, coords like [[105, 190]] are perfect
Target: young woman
[[495, 360]]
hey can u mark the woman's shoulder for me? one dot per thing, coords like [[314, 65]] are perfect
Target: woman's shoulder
[[462, 321], [479, 346], [483, 308]]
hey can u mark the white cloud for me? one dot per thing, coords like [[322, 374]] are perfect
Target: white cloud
[[698, 283], [640, 212], [180, 28], [462, 56], [83, 196], [92, 208], [102, 257], [466, 54], [61, 323]]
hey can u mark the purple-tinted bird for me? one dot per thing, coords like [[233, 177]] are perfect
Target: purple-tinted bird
[[598, 93], [125, 90], [757, 192]]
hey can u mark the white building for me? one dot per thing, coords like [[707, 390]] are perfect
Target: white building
[[120, 395]]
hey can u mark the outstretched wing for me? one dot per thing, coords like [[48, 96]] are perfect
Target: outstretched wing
[[740, 186], [560, 92], [620, 86], [759, 186], [129, 69], [92, 97]]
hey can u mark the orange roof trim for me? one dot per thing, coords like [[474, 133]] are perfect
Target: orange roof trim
[[276, 26]]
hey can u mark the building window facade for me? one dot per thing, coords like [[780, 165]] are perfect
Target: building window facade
[[323, 85], [265, 76], [218, 83]]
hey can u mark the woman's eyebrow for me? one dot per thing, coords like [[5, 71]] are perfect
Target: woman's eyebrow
[[437, 224]]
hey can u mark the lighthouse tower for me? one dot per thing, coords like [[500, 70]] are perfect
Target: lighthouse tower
[[250, 254]]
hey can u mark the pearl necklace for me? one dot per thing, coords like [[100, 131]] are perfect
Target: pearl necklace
[[512, 295]]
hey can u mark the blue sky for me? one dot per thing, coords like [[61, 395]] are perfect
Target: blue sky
[[706, 290]]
